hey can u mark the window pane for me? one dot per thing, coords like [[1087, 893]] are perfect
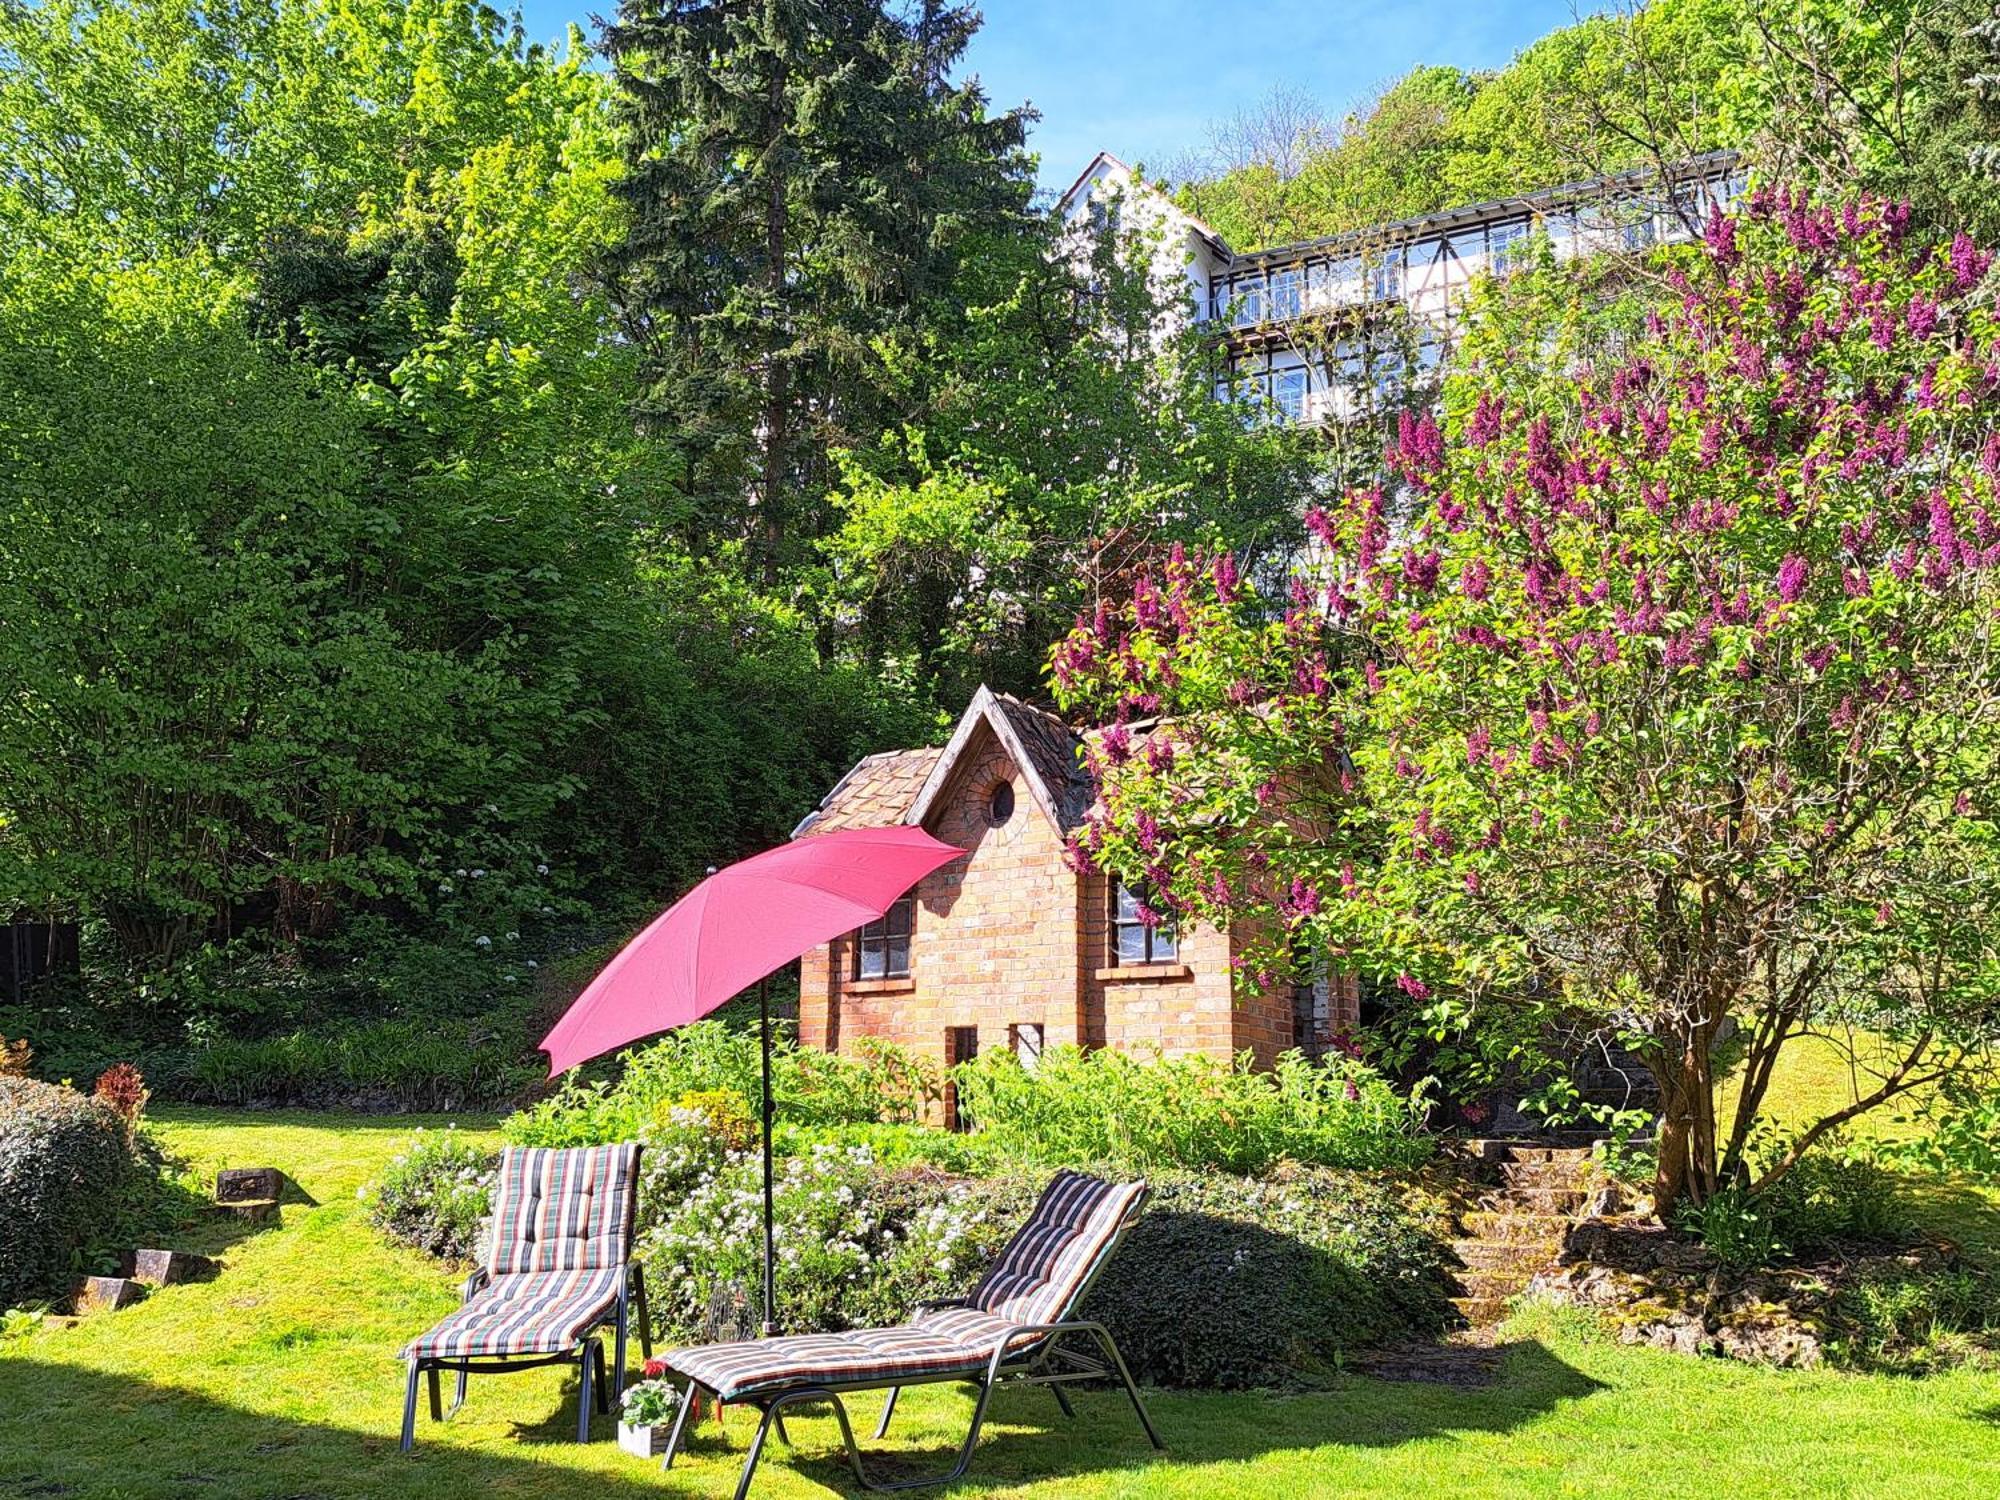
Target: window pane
[[1165, 945], [1128, 905], [902, 916], [872, 954], [897, 959], [1131, 943]]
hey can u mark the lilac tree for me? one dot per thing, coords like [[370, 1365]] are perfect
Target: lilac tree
[[1658, 684]]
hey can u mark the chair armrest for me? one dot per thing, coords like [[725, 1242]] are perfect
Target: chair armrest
[[477, 1282]]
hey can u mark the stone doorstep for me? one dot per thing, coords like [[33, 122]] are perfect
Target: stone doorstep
[[100, 1294]]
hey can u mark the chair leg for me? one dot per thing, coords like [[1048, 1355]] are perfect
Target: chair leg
[[1125, 1375], [410, 1409], [458, 1395], [583, 1393], [888, 1411], [756, 1452], [437, 1399], [645, 1317], [603, 1385], [618, 1359], [1062, 1400], [689, 1399], [778, 1420]]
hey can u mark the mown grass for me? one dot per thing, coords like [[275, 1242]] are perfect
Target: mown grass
[[279, 1379]]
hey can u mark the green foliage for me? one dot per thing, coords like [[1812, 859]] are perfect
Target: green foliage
[[428, 1065], [1606, 92], [811, 1087], [1835, 1194], [1107, 1106], [1915, 1320], [802, 181], [435, 1195], [1227, 1284], [64, 1164]]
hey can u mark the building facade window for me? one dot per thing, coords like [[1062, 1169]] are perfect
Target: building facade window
[[1133, 941], [882, 949], [1025, 1039], [1000, 803]]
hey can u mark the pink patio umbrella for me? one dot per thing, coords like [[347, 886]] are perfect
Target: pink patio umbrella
[[734, 930]]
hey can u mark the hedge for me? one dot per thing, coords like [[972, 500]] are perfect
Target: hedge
[[64, 1161]]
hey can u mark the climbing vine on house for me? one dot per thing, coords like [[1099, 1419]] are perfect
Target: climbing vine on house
[[1659, 684]]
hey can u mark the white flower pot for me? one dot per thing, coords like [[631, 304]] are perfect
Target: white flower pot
[[644, 1442]]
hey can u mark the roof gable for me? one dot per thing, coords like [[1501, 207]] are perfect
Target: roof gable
[[1040, 744]]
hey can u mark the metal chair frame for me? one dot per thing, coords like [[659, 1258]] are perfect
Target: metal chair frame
[[1042, 1362]]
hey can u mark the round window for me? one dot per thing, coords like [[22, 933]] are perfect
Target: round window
[[1000, 803]]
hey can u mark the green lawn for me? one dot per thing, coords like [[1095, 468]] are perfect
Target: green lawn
[[279, 1379]]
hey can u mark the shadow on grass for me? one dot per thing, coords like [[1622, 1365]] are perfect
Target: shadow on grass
[[1028, 1441], [68, 1432]]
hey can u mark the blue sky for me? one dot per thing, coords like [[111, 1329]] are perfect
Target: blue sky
[[1143, 78]]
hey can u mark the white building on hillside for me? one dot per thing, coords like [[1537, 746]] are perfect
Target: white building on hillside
[[1314, 330]]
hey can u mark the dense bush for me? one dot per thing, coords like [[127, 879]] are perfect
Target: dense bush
[[812, 1087], [1913, 1318], [408, 1064], [1147, 1112], [1836, 1193], [1227, 1283], [436, 1194], [64, 1165]]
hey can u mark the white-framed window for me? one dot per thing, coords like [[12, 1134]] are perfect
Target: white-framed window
[[882, 949], [1508, 246], [1288, 394], [1025, 1037], [1286, 289], [1134, 941], [1385, 276]]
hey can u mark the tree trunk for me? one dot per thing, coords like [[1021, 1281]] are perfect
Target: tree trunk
[[1686, 1172]]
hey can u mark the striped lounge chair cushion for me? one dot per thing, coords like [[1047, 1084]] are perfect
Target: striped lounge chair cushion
[[1037, 1277], [529, 1312], [563, 1210], [1035, 1280]]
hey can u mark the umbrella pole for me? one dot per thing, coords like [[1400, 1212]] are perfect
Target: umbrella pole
[[770, 1239]]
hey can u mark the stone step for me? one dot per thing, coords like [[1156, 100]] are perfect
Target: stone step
[[1481, 1312], [1515, 1228], [1493, 1255], [1496, 1283], [167, 1267], [251, 1210], [1545, 1155], [102, 1294], [1535, 1200], [1545, 1174]]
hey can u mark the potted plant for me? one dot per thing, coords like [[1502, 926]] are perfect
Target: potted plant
[[648, 1412]]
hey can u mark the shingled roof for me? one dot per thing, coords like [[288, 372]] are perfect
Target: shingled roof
[[899, 786]]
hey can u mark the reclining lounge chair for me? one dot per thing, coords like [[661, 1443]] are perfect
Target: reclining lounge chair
[[560, 1270], [1015, 1325]]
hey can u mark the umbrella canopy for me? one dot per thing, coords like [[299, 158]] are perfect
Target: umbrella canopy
[[737, 927]]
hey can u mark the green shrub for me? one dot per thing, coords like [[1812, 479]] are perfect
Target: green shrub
[[413, 1065], [811, 1087], [1080, 1108], [1835, 1193], [1231, 1284], [64, 1169], [435, 1195], [1224, 1283]]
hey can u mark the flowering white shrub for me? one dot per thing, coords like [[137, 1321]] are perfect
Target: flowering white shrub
[[437, 1195]]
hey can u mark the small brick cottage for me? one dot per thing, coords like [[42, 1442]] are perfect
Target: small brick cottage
[[1009, 946]]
